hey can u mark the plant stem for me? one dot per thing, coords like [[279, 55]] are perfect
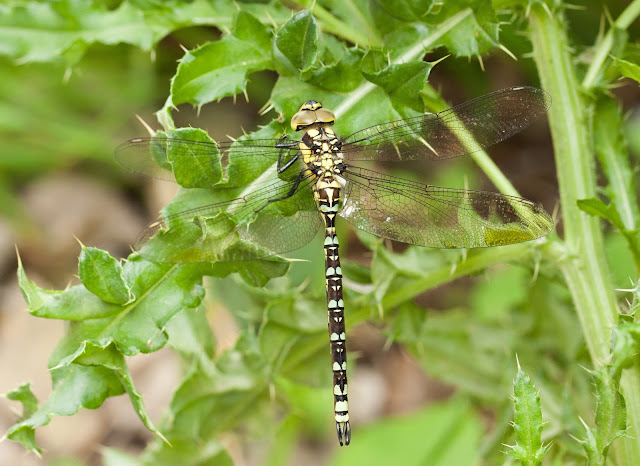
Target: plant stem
[[587, 271], [585, 268], [627, 17]]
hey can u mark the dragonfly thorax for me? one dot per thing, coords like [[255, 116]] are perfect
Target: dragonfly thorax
[[321, 150]]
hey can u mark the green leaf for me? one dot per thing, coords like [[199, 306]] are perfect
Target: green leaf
[[296, 45], [527, 421], [406, 10], [310, 404], [186, 451], [625, 342], [162, 292], [596, 208], [474, 34], [201, 405], [219, 69], [610, 420], [24, 395], [286, 435], [295, 312], [214, 239], [83, 380], [355, 15], [502, 291], [195, 169], [402, 83], [613, 155], [76, 303], [456, 349], [343, 75], [440, 435], [103, 276], [63, 30], [628, 69], [412, 263], [243, 171], [88, 364], [190, 334]]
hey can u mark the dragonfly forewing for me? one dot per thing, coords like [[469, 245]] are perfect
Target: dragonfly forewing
[[161, 157], [460, 130]]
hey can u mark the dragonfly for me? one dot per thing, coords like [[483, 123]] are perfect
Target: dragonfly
[[312, 180]]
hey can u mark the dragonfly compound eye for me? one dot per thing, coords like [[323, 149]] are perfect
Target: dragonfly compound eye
[[325, 116]]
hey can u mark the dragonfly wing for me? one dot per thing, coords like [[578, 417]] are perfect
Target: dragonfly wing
[[252, 226], [155, 156], [437, 217], [460, 130], [145, 156]]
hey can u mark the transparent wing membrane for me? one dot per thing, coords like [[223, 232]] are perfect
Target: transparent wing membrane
[[253, 226], [436, 217], [460, 130], [153, 156]]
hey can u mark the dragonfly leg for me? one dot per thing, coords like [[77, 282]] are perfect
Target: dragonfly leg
[[290, 193], [285, 145]]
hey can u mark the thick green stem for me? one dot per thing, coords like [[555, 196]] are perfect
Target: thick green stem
[[587, 271], [584, 268]]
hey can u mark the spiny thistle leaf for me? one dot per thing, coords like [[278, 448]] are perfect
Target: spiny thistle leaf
[[527, 421]]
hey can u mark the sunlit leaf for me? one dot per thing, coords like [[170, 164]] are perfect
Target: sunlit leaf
[[219, 69], [25, 396], [83, 380], [402, 83], [527, 421], [407, 10], [628, 69], [475, 31], [598, 208], [295, 45], [611, 417], [103, 276], [38, 32]]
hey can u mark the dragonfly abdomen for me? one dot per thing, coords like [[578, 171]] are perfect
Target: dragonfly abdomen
[[328, 194]]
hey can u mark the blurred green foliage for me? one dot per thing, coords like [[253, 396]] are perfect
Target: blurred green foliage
[[73, 73]]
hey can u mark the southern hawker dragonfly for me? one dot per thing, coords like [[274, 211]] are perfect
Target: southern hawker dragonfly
[[310, 181]]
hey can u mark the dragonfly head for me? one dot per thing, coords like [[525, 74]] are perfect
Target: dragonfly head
[[311, 112]]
